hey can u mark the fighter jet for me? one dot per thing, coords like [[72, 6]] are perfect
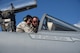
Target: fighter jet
[[54, 36]]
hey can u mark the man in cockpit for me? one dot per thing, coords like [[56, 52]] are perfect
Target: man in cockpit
[[25, 26], [35, 24]]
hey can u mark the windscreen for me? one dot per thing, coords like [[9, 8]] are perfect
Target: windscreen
[[5, 4]]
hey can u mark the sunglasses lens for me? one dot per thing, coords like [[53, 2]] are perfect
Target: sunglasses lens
[[35, 21]]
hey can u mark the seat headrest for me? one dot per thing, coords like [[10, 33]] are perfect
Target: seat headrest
[[50, 26]]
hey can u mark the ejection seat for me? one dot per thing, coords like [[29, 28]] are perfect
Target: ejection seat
[[50, 26]]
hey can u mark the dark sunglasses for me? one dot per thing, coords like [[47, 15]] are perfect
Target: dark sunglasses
[[35, 21]]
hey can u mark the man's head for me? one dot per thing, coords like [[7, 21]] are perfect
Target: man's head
[[35, 21], [28, 19]]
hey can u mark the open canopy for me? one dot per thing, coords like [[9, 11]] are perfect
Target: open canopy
[[52, 23]]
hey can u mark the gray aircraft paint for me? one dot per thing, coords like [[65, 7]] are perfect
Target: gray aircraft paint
[[15, 42]]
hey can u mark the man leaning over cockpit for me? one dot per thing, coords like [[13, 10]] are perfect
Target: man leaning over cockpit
[[25, 26]]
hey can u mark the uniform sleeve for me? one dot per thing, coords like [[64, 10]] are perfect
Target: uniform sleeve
[[24, 27], [27, 28], [20, 27]]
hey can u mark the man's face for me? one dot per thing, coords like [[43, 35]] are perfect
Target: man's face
[[35, 22], [29, 21]]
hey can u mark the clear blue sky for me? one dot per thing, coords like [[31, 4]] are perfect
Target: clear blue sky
[[66, 10]]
